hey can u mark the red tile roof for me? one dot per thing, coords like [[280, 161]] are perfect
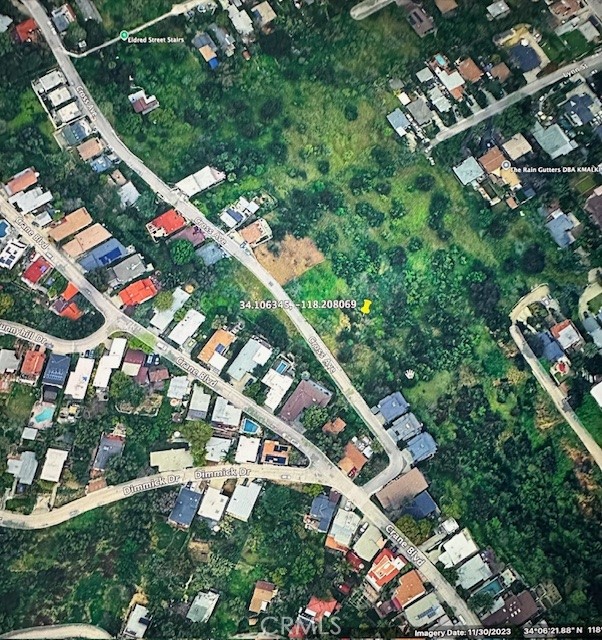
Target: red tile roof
[[71, 312], [354, 560], [33, 362], [318, 608], [557, 329], [70, 291], [21, 181], [27, 31], [385, 567], [410, 587], [469, 70], [138, 292], [36, 270], [168, 223], [334, 426]]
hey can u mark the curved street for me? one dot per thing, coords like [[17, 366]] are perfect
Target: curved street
[[195, 216], [60, 632]]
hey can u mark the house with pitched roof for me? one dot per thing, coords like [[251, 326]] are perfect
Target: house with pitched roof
[[307, 394], [263, 594], [386, 567]]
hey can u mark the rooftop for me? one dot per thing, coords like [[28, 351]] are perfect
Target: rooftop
[[402, 489], [202, 606], [469, 70], [393, 406], [213, 505], [307, 394], [53, 465], [70, 224], [185, 508], [410, 587], [243, 500], [138, 292], [165, 224], [457, 549]]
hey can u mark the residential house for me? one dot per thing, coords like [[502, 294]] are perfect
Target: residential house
[[391, 407], [86, 240], [256, 233], [457, 549], [26, 31], [179, 388], [23, 467], [493, 160], [46, 83], [399, 122], [334, 427], [109, 362], [553, 140], [76, 132], [187, 327], [497, 10], [132, 361], [469, 172], [593, 206], [243, 500], [53, 465], [386, 567], [9, 362], [138, 292], [202, 180], [517, 610], [321, 512], [111, 446], [422, 447], [590, 324], [163, 318], [419, 110], [567, 335], [424, 611], [207, 48], [79, 379], [225, 417], [264, 14], [247, 449], [12, 252], [596, 392], [341, 532], [185, 508], [211, 253], [199, 404], [446, 7], [263, 594], [307, 394], [234, 215], [65, 305], [402, 490], [255, 353], [369, 543], [103, 256], [171, 459], [353, 461], [224, 39], [55, 374], [70, 224], [217, 449], [137, 622], [438, 100], [202, 606], [524, 56], [37, 269], [565, 9], [141, 103], [517, 147], [551, 350], [274, 452], [582, 106], [405, 427], [563, 227], [420, 20], [469, 70], [422, 506], [213, 354], [128, 195], [90, 149], [473, 572], [425, 76], [62, 17], [317, 609], [127, 270], [410, 588], [165, 224], [213, 505], [5, 22], [241, 22], [21, 181], [33, 364], [278, 384]]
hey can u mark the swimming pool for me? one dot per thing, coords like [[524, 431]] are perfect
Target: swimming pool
[[281, 367], [3, 228], [250, 427], [492, 589], [45, 415]]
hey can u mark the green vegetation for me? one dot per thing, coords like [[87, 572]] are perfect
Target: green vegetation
[[197, 434], [590, 415]]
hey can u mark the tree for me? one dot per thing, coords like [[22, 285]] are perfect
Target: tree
[[6, 303], [418, 531], [350, 112], [314, 418], [124, 389], [424, 182], [197, 434], [533, 259], [181, 251], [163, 300], [75, 34]]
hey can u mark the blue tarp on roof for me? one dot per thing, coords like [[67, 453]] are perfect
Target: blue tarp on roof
[[422, 446], [103, 255], [421, 506]]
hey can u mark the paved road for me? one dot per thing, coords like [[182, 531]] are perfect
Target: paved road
[[194, 215], [59, 631], [589, 64], [176, 10], [58, 345], [321, 466], [593, 289], [368, 7], [557, 396], [535, 295]]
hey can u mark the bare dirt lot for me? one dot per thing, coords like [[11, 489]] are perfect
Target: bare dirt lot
[[293, 260]]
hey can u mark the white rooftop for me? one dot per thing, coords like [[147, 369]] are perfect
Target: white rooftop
[[472, 572], [204, 179], [217, 449], [247, 449], [225, 413], [53, 465], [199, 402], [243, 500], [162, 319], [179, 386], [28, 201], [369, 543], [255, 353], [171, 459], [213, 505], [79, 379], [187, 327], [457, 549], [278, 384]]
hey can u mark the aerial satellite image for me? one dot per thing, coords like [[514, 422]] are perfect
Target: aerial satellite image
[[300, 319]]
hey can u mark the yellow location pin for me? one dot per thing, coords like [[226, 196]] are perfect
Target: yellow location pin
[[366, 307]]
